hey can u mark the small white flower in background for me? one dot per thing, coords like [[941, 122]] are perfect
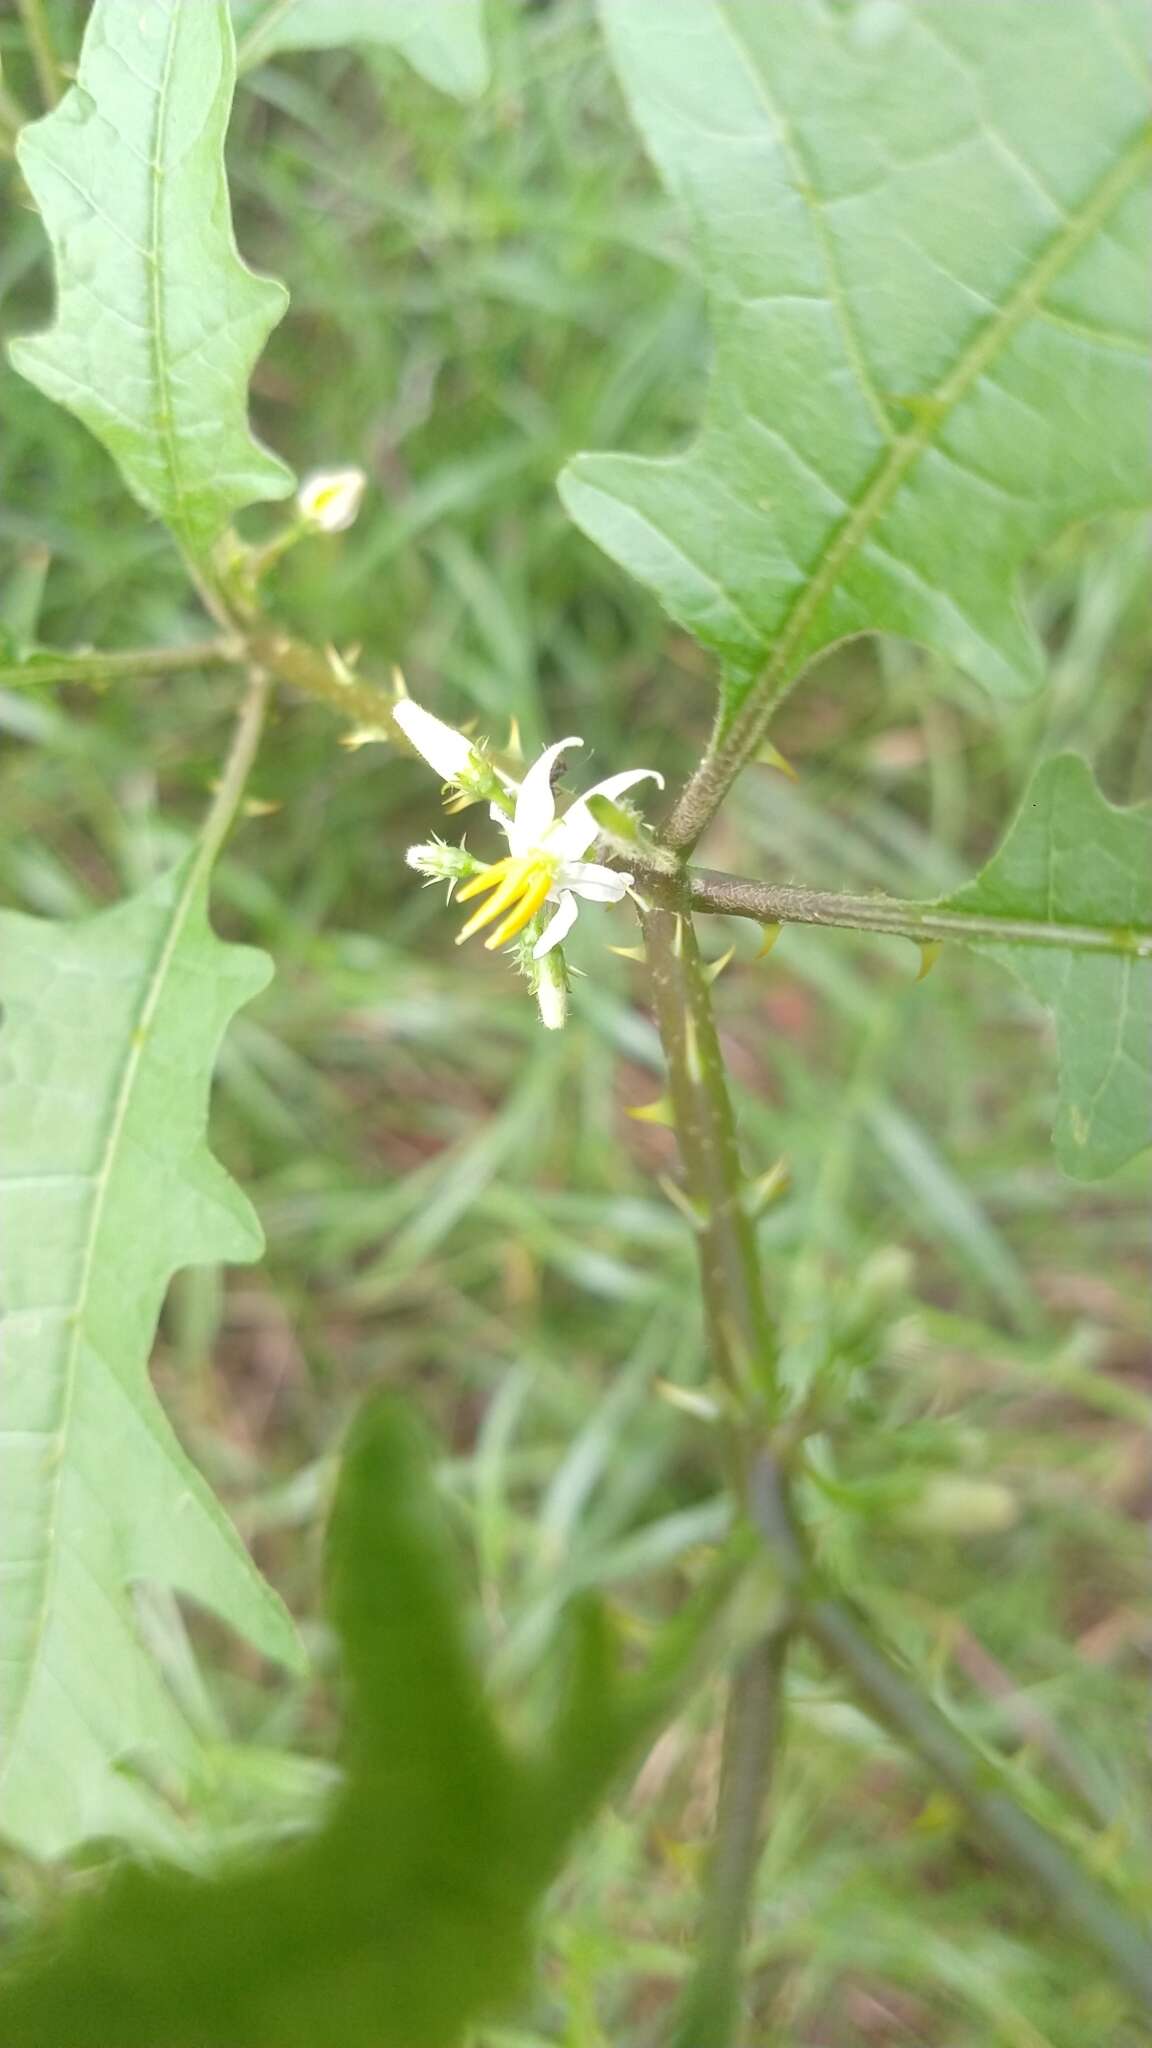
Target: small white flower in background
[[545, 860], [330, 500]]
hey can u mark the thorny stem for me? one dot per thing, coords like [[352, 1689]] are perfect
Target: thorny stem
[[742, 1354], [43, 51], [740, 1341], [769, 903], [739, 1332]]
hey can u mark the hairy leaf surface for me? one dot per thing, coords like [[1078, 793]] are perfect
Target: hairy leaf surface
[[442, 39], [924, 232], [1073, 860], [408, 1914], [109, 1034], [158, 320]]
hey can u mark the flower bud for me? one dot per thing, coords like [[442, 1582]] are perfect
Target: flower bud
[[440, 862], [330, 500], [552, 990]]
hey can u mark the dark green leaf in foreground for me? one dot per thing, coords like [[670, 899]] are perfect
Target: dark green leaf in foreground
[[443, 39], [109, 1034], [408, 1915], [158, 320], [924, 232], [1072, 860]]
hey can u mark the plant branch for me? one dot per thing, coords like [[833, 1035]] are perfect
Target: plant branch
[[237, 768], [772, 903], [739, 1333], [320, 673], [43, 51], [741, 1345], [976, 1783], [709, 2015], [48, 666], [742, 1350]]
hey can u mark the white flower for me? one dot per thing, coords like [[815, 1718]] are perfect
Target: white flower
[[544, 862], [330, 500]]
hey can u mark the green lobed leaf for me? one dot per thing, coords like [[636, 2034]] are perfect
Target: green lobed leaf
[[1072, 859], [442, 39], [924, 233], [158, 320], [109, 1034], [408, 1914]]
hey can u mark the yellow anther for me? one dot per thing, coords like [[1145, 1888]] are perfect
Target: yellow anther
[[487, 878], [539, 881], [501, 899]]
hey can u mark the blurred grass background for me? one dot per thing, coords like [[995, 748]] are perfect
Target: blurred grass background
[[458, 1204]]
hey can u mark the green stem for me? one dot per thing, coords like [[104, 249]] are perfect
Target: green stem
[[236, 770], [739, 1333], [770, 903], [710, 2016], [49, 667], [43, 51], [976, 1783], [320, 673], [742, 1352]]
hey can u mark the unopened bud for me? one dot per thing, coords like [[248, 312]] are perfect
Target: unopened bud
[[439, 862], [330, 500], [552, 990]]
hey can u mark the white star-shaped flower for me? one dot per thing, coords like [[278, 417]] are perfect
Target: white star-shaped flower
[[545, 859]]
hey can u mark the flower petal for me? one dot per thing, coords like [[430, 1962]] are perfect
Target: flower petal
[[535, 803], [595, 883], [578, 829], [444, 749], [558, 926]]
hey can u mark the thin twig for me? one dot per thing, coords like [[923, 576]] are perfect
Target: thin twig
[[43, 51]]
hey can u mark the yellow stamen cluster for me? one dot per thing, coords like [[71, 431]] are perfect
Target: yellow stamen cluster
[[520, 887]]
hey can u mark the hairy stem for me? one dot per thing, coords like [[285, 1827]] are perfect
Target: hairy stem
[[49, 76], [770, 903]]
